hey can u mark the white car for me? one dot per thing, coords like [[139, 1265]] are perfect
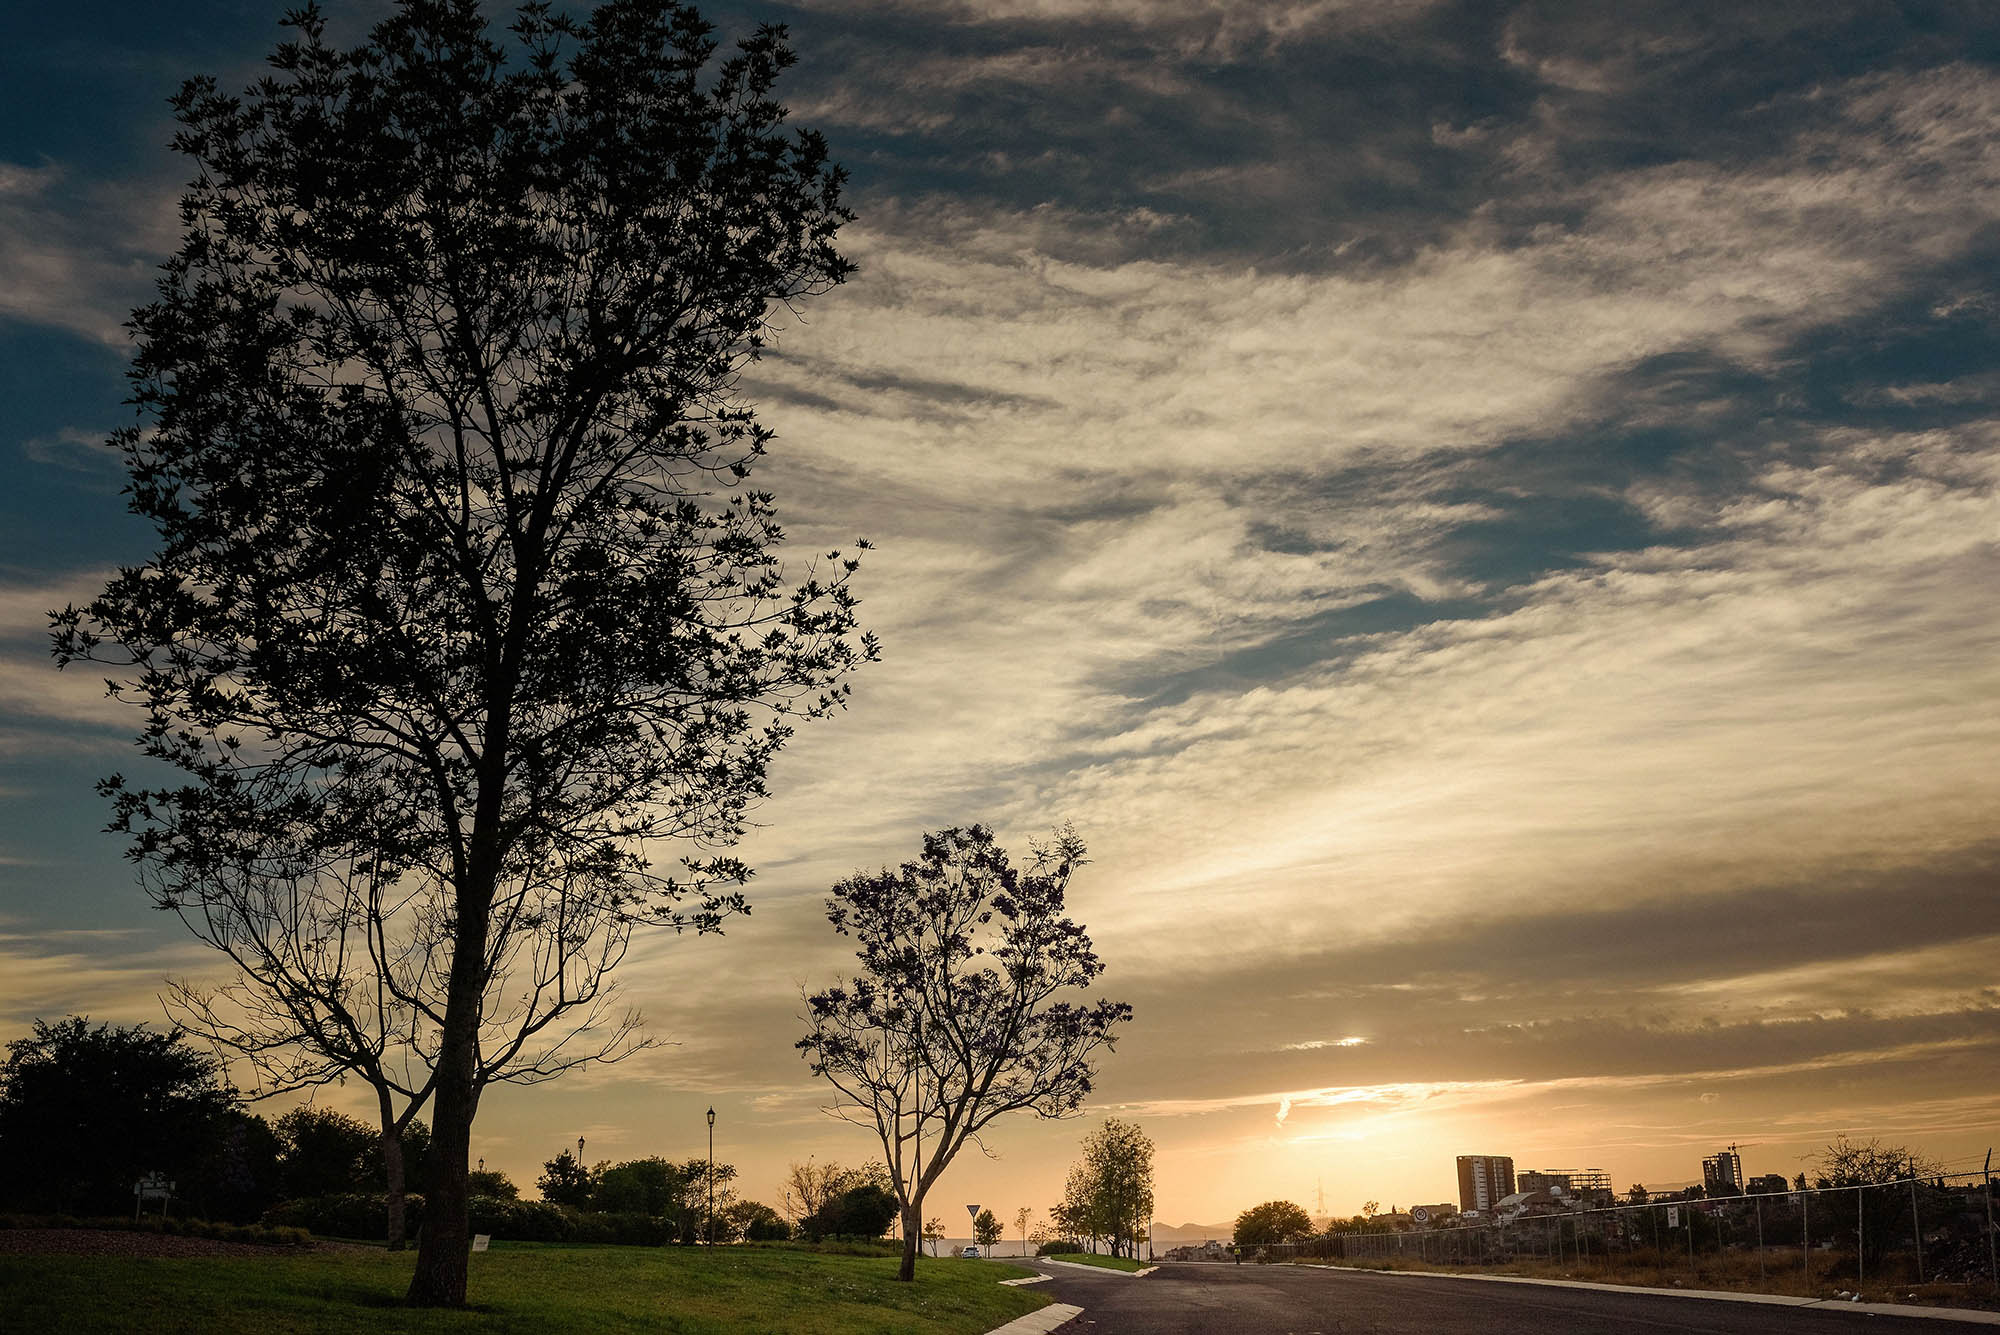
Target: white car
[[970, 1253]]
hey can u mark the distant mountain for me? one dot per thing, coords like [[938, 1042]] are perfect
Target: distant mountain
[[1176, 1234]]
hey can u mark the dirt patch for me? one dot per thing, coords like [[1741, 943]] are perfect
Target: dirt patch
[[118, 1242]]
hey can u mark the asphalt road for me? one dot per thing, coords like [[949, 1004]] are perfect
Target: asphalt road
[[1213, 1299]]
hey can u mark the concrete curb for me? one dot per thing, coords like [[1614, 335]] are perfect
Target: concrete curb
[[1097, 1269], [1030, 1279], [1038, 1323], [1967, 1315]]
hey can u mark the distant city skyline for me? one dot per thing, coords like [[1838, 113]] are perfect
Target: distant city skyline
[[1483, 515]]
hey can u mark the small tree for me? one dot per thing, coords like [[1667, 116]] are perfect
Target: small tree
[[1114, 1184], [934, 1233], [1021, 1218], [1872, 1217], [986, 1228], [322, 1152], [926, 1046], [565, 1181], [457, 621], [864, 1210], [754, 1221], [1271, 1222]]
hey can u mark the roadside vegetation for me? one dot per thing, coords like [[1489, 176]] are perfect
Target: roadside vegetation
[[522, 1287]]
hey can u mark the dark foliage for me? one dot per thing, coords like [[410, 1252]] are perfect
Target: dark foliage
[[862, 1212], [565, 1181], [86, 1111], [1273, 1221]]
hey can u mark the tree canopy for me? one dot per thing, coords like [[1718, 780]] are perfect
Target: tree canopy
[[1273, 1221], [461, 619], [958, 1014], [86, 1111], [1109, 1191]]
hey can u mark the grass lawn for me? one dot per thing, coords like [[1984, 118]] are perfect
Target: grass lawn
[[522, 1287], [1108, 1262]]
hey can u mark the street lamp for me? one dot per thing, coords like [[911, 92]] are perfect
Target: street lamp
[[579, 1151], [711, 1176]]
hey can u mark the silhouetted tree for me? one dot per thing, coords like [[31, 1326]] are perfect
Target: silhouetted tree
[[953, 1019], [565, 1181], [1873, 1218], [1273, 1221], [491, 1183], [322, 1152], [85, 1112], [455, 620], [754, 1221], [639, 1186], [864, 1210]]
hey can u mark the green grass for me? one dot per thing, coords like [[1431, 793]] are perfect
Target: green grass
[[518, 1288], [1108, 1262]]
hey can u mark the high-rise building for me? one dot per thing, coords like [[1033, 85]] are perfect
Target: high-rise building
[[1722, 1170], [1484, 1180]]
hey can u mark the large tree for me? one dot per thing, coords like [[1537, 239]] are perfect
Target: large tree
[[85, 1111], [1110, 1191], [460, 621], [954, 1017], [1273, 1221]]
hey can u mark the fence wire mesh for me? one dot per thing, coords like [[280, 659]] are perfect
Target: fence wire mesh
[[1935, 1230]]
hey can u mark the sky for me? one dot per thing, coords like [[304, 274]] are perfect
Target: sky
[[1486, 517]]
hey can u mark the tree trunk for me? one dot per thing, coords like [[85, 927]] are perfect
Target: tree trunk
[[446, 1241], [392, 1171], [913, 1236]]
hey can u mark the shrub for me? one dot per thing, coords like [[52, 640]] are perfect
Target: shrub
[[1059, 1247], [350, 1214], [215, 1230]]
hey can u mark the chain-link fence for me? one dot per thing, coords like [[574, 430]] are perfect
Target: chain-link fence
[[1913, 1231]]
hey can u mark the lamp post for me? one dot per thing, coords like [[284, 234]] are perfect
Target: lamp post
[[710, 1233]]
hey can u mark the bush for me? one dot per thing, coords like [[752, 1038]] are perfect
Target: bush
[[349, 1214], [1059, 1247], [214, 1230], [523, 1221], [768, 1228]]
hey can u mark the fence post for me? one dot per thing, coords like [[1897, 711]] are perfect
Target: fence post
[[1860, 1237], [1992, 1254], [1917, 1230], [1694, 1271], [1757, 1204], [1805, 1235]]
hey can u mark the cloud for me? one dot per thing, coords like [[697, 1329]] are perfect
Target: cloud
[[78, 254]]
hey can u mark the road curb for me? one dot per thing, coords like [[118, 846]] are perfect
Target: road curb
[[1038, 1323], [1097, 1269], [1969, 1316]]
